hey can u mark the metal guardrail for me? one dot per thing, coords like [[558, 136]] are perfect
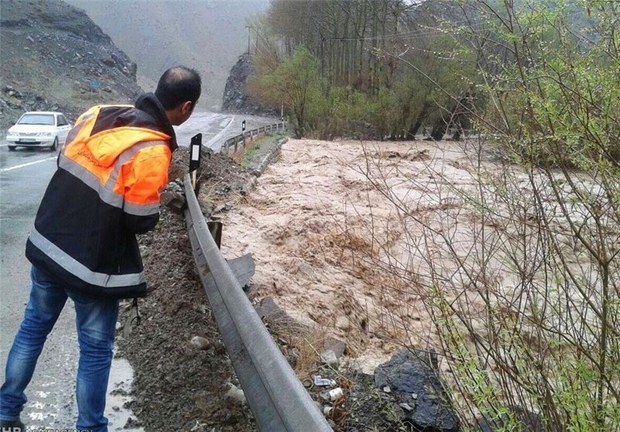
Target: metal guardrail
[[241, 139], [274, 393]]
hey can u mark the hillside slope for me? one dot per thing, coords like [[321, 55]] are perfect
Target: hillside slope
[[208, 35], [54, 57]]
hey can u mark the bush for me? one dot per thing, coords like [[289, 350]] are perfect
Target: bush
[[522, 278]]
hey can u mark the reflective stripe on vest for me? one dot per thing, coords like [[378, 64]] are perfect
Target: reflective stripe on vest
[[106, 191], [77, 128], [79, 270]]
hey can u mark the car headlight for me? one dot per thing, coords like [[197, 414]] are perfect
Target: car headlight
[[44, 134]]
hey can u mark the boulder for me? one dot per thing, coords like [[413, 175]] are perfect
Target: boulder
[[410, 373], [235, 98]]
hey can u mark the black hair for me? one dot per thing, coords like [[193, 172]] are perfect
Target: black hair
[[177, 85]]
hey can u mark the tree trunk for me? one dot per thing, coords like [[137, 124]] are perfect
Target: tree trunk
[[418, 121], [439, 129]]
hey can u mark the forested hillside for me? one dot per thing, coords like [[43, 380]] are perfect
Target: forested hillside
[[389, 68]]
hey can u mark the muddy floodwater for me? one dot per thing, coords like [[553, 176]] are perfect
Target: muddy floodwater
[[315, 217]]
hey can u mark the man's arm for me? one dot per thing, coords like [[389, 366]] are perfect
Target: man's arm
[[144, 179]]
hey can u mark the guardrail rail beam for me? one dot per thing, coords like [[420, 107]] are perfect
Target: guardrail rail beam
[[277, 398]]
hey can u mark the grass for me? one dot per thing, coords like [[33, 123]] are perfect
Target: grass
[[246, 155]]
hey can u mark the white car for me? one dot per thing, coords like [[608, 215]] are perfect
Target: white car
[[39, 129]]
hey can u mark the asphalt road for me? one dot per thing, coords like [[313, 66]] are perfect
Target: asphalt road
[[24, 175], [217, 128]]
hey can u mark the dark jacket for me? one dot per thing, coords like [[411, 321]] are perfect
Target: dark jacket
[[105, 191]]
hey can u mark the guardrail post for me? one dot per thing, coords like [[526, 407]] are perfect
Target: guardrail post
[[241, 139]]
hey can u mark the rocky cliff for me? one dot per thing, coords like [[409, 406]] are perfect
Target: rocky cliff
[[207, 35], [55, 58], [236, 99]]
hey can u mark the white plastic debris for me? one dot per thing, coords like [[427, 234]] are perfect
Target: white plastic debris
[[406, 407], [335, 393], [323, 382]]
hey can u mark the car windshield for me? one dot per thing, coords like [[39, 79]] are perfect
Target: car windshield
[[37, 119]]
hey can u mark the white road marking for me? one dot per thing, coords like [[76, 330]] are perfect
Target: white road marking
[[27, 164], [216, 137]]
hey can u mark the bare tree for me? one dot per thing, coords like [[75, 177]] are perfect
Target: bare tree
[[519, 268]]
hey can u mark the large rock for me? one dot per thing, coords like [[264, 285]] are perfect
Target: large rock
[[236, 99], [413, 379]]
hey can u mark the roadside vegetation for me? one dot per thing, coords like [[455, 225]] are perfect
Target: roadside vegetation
[[521, 267], [250, 154]]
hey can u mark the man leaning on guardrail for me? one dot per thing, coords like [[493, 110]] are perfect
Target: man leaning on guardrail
[[83, 245]]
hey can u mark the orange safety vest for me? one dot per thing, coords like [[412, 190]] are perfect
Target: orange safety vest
[[106, 189]]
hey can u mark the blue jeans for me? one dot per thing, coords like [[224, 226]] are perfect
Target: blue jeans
[[96, 325]]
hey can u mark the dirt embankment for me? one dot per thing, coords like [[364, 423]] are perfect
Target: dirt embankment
[[177, 385]]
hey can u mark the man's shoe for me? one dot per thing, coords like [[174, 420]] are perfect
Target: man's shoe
[[12, 426]]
